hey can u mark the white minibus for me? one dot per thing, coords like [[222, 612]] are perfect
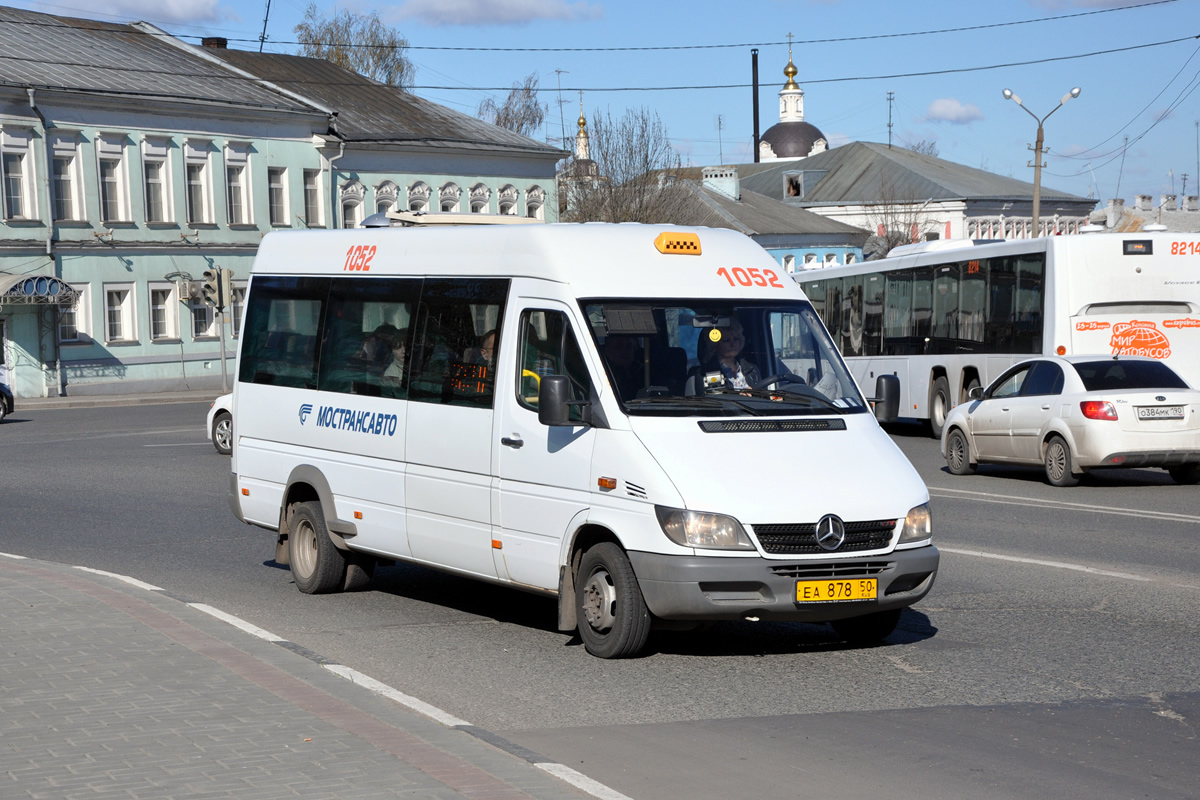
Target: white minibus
[[952, 314], [648, 423]]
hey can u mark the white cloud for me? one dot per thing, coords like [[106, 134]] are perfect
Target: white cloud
[[947, 109], [155, 11], [494, 12]]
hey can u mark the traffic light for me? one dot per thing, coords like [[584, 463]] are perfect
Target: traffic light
[[226, 293], [211, 290]]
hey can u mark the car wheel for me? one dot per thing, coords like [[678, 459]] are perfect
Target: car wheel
[[1185, 474], [939, 406], [613, 619], [222, 433], [317, 565], [867, 629], [958, 453], [3, 410], [1058, 463]]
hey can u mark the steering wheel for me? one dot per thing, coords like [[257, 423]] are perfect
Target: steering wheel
[[786, 377]]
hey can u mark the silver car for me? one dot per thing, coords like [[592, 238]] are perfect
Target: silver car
[[220, 424], [1078, 413]]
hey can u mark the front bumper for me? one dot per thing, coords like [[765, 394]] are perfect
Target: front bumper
[[716, 588]]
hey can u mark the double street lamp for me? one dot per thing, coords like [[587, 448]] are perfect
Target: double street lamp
[[1038, 149]]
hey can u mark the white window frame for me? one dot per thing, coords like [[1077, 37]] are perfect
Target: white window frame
[[418, 196], [156, 152], [200, 311], [238, 192], [83, 316], [65, 147], [314, 216], [352, 196], [277, 188], [197, 154], [535, 202], [126, 311], [16, 146], [450, 198], [238, 294], [170, 311], [110, 150]]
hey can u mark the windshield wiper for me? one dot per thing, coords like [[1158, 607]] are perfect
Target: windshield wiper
[[694, 402], [778, 396]]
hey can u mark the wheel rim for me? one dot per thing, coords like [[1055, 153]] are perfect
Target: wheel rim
[[599, 600], [304, 550], [958, 455], [1056, 461], [224, 434]]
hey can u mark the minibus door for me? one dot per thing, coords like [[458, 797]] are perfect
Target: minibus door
[[544, 471]]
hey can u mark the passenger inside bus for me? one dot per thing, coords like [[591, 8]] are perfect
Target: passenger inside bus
[[722, 354]]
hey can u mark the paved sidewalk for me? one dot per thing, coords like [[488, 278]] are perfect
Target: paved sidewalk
[[97, 400], [113, 690]]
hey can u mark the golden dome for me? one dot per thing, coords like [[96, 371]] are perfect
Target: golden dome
[[790, 71]]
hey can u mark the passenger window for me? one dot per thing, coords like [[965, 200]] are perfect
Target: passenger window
[[1011, 386], [548, 347], [367, 336], [283, 317], [1045, 378], [455, 341]]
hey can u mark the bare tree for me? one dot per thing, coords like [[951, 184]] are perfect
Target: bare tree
[[633, 175], [357, 42], [898, 218], [926, 147], [521, 111]]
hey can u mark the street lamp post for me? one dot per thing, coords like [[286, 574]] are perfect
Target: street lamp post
[[1037, 149]]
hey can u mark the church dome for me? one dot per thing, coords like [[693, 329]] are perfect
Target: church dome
[[795, 139]]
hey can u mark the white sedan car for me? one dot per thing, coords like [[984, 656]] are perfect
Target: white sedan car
[[1078, 413], [220, 424]]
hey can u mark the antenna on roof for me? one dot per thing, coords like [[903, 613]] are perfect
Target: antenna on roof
[[262, 39]]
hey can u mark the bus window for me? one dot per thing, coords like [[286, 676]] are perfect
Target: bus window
[[282, 321], [922, 306], [851, 339], [898, 315], [944, 321], [453, 319], [366, 339], [815, 291], [872, 314], [1002, 287], [972, 302], [833, 309], [1028, 322]]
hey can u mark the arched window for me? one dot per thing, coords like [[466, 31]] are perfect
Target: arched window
[[810, 261], [789, 263], [508, 199], [352, 196], [535, 199], [831, 259], [386, 194], [481, 199], [418, 196], [448, 197]]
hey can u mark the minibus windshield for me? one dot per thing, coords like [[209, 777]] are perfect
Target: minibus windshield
[[683, 357]]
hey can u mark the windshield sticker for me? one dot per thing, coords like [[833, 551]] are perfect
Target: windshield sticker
[[1139, 338]]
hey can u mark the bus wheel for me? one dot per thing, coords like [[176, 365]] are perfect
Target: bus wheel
[[939, 406], [317, 566], [867, 629], [1185, 474], [1058, 463], [613, 619], [958, 454]]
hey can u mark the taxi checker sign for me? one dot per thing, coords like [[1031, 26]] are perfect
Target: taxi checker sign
[[831, 532]]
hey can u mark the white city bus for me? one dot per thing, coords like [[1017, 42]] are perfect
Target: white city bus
[[949, 315]]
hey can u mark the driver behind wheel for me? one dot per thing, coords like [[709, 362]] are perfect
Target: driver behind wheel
[[719, 352]]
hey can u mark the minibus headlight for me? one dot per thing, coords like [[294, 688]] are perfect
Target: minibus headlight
[[918, 525], [698, 529]]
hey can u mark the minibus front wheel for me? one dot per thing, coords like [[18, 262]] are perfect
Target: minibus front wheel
[[612, 615], [317, 566]]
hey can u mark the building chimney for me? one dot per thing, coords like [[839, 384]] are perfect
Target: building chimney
[[1167, 202], [1191, 202], [723, 180], [215, 42], [1142, 202], [1116, 210]]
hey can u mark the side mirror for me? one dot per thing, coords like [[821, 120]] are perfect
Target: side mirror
[[554, 407], [887, 398], [975, 393]]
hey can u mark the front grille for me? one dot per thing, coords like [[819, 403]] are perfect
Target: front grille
[[771, 425], [801, 539], [832, 570]]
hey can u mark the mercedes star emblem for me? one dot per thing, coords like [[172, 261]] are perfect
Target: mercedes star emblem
[[831, 532]]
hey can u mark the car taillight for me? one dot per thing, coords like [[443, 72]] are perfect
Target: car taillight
[[1098, 409]]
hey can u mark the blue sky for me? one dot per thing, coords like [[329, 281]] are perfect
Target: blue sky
[[1148, 93]]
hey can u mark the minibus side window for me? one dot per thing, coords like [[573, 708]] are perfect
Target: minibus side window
[[367, 336], [455, 340], [548, 347], [283, 316]]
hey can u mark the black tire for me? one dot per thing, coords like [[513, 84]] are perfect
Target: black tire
[[360, 568], [958, 454], [1185, 474], [867, 629], [318, 567], [971, 384], [1058, 463], [222, 433], [612, 616], [939, 406]]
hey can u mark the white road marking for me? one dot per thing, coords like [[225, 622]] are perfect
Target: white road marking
[[131, 581], [15, 556], [1128, 576], [237, 622], [380, 688], [989, 497], [581, 781]]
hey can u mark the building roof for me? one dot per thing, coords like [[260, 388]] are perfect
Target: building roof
[[758, 215], [369, 111], [865, 172], [43, 51], [793, 139]]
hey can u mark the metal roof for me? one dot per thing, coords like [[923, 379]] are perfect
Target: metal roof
[[866, 172], [369, 111], [51, 52], [756, 215]]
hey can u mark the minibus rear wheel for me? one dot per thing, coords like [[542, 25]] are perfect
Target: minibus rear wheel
[[612, 615], [867, 629], [317, 566]]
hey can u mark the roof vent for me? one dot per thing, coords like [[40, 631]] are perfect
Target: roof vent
[[1154, 228], [379, 220], [215, 42]]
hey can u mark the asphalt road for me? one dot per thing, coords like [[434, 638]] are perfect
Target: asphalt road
[[1055, 657]]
